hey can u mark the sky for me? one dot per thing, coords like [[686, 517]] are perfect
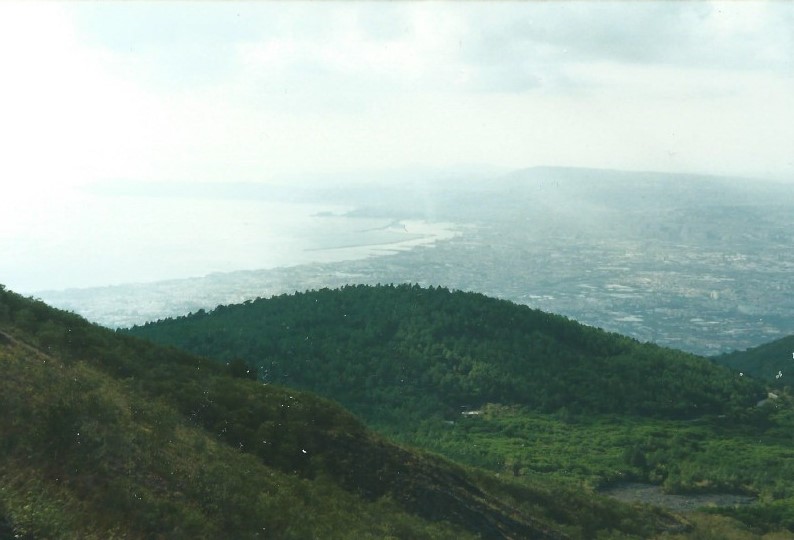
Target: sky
[[97, 92]]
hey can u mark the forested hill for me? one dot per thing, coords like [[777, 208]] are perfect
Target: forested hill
[[391, 351], [771, 362], [107, 436]]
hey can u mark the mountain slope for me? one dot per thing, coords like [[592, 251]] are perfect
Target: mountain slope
[[85, 459], [106, 436], [380, 350], [771, 362], [524, 393]]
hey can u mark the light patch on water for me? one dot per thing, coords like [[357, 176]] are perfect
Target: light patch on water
[[617, 287], [84, 240], [629, 318]]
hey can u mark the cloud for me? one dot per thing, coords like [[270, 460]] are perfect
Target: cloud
[[529, 45], [494, 47], [255, 91]]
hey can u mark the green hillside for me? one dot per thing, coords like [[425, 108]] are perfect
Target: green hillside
[[392, 350], [771, 362], [526, 394], [107, 436]]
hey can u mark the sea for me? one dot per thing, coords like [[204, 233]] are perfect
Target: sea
[[81, 239]]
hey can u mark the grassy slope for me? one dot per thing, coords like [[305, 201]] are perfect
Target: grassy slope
[[107, 436], [83, 456]]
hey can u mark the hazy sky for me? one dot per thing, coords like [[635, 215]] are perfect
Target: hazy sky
[[181, 91]]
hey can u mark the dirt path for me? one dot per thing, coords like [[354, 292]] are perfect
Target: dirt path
[[650, 494]]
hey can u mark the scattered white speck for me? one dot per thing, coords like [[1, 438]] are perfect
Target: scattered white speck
[[304, 451]]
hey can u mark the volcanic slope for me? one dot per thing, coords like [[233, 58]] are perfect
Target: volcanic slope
[[529, 395], [107, 436]]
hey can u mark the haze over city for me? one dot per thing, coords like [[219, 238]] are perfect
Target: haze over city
[[145, 142]]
